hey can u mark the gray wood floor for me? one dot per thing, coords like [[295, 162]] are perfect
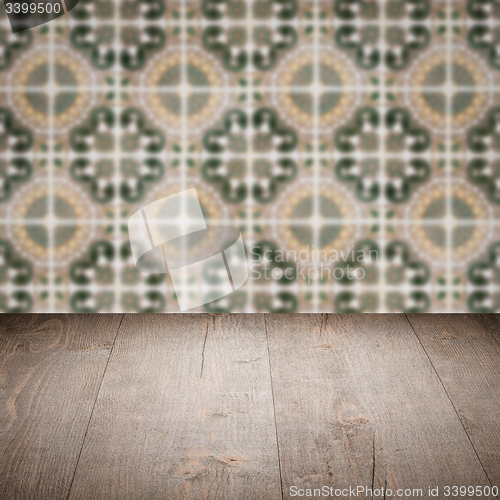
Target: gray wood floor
[[247, 406]]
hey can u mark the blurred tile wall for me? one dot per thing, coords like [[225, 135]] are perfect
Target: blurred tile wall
[[354, 143]]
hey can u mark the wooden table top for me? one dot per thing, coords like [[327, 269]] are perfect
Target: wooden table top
[[197, 406]]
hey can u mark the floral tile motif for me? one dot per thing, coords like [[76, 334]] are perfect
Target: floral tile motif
[[355, 144]]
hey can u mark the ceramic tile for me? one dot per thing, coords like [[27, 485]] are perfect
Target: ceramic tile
[[343, 125]]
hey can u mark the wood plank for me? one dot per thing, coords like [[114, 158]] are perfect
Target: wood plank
[[358, 404], [492, 323], [185, 411], [51, 366], [467, 359]]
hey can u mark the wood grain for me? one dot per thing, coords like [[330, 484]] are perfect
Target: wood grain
[[183, 408], [50, 370], [359, 404], [492, 324], [466, 357], [185, 412]]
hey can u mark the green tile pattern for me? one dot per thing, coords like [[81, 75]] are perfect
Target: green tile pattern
[[354, 143]]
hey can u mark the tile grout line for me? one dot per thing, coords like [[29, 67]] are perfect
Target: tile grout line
[[332, 22], [249, 155], [50, 172], [323, 287], [382, 240], [168, 89], [270, 222], [448, 396], [117, 162], [333, 155], [317, 76], [448, 148], [93, 406], [184, 140], [274, 406]]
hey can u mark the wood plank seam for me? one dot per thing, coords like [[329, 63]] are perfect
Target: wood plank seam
[[93, 407], [451, 401], [274, 407], [204, 345]]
